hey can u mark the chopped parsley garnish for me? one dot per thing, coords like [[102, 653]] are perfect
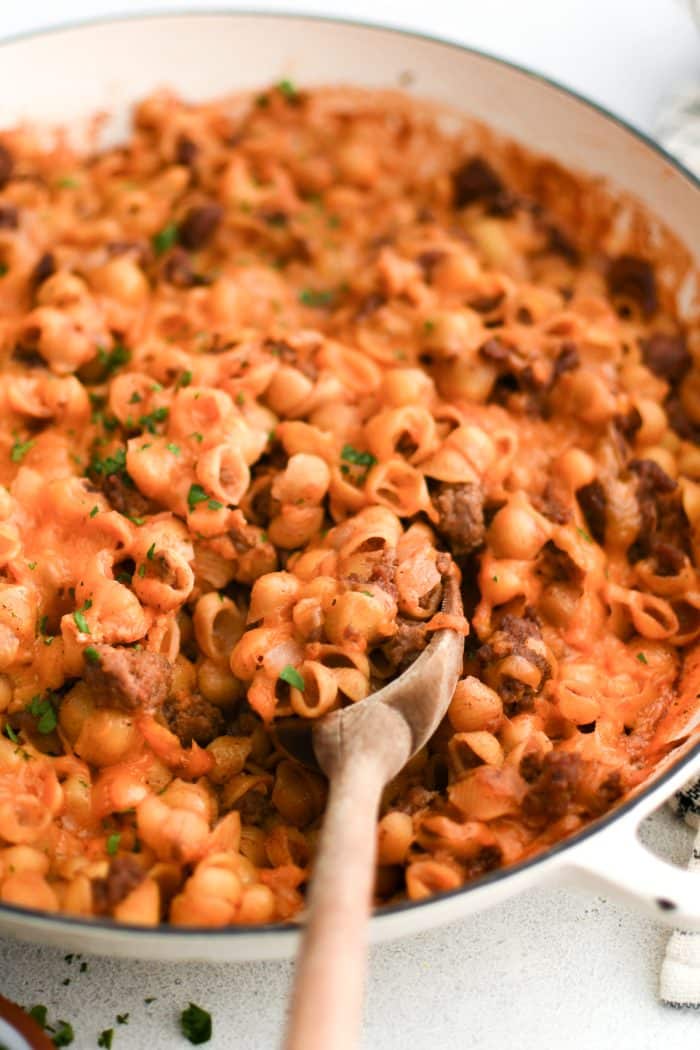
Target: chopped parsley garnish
[[20, 449], [642, 658], [291, 676], [584, 535], [175, 449], [158, 415], [113, 359], [165, 238], [428, 326], [196, 1024], [317, 298], [39, 1014], [185, 379], [196, 495], [10, 733], [113, 843], [288, 89], [31, 565], [114, 464], [240, 398], [4, 268], [67, 182], [91, 655], [43, 710], [80, 621], [151, 552], [95, 510], [122, 1018], [150, 999], [105, 1038], [214, 504], [135, 520], [141, 572], [197, 436], [124, 577], [42, 624], [135, 398], [63, 1034], [361, 459]]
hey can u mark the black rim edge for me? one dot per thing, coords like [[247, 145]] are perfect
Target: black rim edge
[[164, 931]]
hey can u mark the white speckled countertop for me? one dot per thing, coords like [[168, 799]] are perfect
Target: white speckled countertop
[[552, 969]]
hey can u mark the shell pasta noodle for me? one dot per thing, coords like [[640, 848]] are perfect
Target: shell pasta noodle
[[271, 368]]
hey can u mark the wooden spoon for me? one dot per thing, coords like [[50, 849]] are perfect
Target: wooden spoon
[[360, 748]]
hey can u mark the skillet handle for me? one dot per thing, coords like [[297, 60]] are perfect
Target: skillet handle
[[616, 862]]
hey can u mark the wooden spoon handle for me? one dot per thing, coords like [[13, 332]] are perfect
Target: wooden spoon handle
[[326, 1004]]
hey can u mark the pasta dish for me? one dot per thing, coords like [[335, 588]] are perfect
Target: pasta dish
[[269, 367]]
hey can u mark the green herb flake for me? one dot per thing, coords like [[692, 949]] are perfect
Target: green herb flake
[[135, 398], [105, 1038], [91, 655], [113, 359], [428, 326], [150, 999], [196, 1024], [185, 379], [584, 535], [158, 415], [39, 1014], [63, 1034], [134, 520], [361, 459], [291, 676], [642, 658], [197, 436], [240, 398], [95, 510], [214, 504], [124, 577], [175, 449], [113, 843], [31, 565], [142, 570], [10, 733], [4, 268], [122, 1018], [114, 464], [80, 621], [288, 89], [165, 238], [67, 182], [20, 449], [151, 552], [317, 298], [196, 495]]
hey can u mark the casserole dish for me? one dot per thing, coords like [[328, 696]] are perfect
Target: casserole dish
[[120, 62]]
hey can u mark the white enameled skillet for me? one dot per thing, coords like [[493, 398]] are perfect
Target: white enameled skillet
[[66, 75]]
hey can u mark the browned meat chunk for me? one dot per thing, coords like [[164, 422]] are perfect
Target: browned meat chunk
[[130, 679], [554, 790], [124, 496], [123, 876], [177, 269], [666, 356], [382, 572], [44, 269], [402, 648], [191, 717], [9, 217], [592, 501], [461, 516], [552, 505], [475, 180], [629, 424], [633, 278], [7, 164], [199, 225], [680, 421], [664, 528], [516, 636], [185, 151]]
